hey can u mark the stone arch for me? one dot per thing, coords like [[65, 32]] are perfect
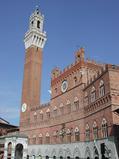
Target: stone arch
[[47, 157], [95, 130], [68, 157], [54, 157], [9, 149], [47, 152], [77, 134], [48, 110], [101, 88], [32, 152], [68, 153], [35, 113], [61, 105], [61, 153], [95, 153], [68, 102], [61, 157], [76, 129], [85, 94], [87, 153], [53, 153], [19, 151], [76, 153], [47, 134], [76, 99], [87, 132], [55, 108], [40, 135], [39, 152], [68, 131], [104, 127], [93, 89], [41, 112], [101, 83]]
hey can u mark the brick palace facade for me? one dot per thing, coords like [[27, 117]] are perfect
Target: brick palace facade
[[82, 118]]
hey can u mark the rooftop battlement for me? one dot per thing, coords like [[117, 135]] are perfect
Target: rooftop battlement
[[104, 69], [79, 62], [41, 106]]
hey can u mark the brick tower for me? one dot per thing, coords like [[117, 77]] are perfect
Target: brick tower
[[34, 40]]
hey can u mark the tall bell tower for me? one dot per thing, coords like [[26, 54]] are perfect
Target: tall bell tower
[[34, 40]]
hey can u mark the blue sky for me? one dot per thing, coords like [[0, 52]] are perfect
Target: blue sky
[[70, 24]]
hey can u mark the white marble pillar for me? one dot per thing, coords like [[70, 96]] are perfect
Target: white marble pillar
[[13, 151]]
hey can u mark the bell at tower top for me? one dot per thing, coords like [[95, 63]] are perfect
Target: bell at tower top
[[35, 35]]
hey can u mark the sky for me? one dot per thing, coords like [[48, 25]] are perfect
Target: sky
[[70, 24]]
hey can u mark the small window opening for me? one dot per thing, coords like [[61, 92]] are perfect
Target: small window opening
[[32, 23], [38, 24]]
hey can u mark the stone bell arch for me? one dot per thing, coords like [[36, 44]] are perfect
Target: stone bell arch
[[15, 146]]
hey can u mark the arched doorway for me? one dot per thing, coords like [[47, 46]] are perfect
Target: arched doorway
[[88, 157], [68, 157], [47, 157], [27, 157], [77, 157], [9, 150], [61, 157], [19, 151], [39, 157], [96, 154], [54, 157]]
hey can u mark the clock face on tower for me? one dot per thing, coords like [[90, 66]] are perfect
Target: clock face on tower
[[64, 86], [24, 107]]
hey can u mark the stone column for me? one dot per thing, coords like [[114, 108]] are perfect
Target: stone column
[[24, 153], [5, 151], [13, 150]]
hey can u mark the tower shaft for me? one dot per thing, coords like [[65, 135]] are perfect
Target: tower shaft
[[32, 76], [34, 41]]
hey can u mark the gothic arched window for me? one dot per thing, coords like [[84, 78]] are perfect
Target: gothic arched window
[[93, 94], [40, 139], [75, 81], [32, 23], [47, 138], [101, 89], [104, 128], [68, 133], [55, 111], [87, 132], [68, 105], [95, 130], [86, 99], [55, 135], [34, 140], [38, 24], [48, 113], [76, 103], [9, 150], [35, 117], [41, 115], [77, 134], [61, 109]]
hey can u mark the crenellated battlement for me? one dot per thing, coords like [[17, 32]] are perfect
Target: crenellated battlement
[[44, 105], [79, 63], [105, 68]]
